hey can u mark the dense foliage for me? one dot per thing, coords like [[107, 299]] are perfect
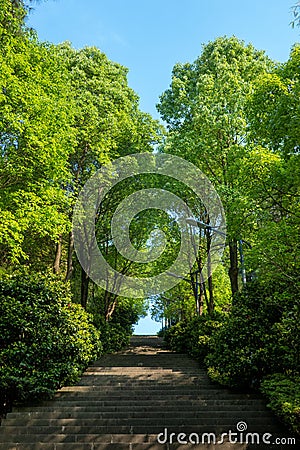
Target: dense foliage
[[64, 113], [284, 397], [256, 345], [236, 114], [193, 336], [46, 340], [260, 336], [116, 332], [205, 112]]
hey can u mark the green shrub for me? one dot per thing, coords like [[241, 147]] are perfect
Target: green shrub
[[45, 340], [114, 337], [283, 393], [116, 333], [260, 336], [285, 351], [193, 336]]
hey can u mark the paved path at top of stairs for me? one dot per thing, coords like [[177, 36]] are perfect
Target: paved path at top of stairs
[[125, 400]]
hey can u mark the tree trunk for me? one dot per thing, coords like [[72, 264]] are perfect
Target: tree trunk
[[56, 264], [84, 288], [201, 298], [233, 269], [70, 257], [110, 309], [211, 303]]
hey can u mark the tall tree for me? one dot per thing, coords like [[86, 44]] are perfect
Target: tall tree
[[204, 110], [273, 116], [36, 140], [107, 123]]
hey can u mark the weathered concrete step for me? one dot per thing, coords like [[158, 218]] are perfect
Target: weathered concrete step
[[95, 391], [215, 404], [105, 421], [165, 359], [125, 425], [116, 372], [85, 438], [146, 394], [140, 403], [119, 446], [25, 416], [165, 355], [131, 400], [131, 373], [151, 387], [120, 440], [148, 381], [143, 369], [168, 358], [46, 411], [129, 442], [139, 382], [140, 364], [138, 446], [137, 392]]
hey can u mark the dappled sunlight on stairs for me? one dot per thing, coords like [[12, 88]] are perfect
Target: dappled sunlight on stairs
[[124, 401]]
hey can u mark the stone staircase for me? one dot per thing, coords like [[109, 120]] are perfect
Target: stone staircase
[[126, 400]]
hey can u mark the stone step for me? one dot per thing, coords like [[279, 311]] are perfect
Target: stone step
[[91, 438], [108, 381], [107, 421], [124, 401], [119, 446], [126, 441], [136, 446], [87, 438], [138, 426], [214, 403], [123, 394], [209, 405], [95, 389], [144, 369], [132, 414], [132, 399]]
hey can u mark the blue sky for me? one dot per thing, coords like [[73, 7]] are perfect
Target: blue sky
[[150, 36]]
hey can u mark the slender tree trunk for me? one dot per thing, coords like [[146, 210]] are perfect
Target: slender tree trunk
[[110, 303], [233, 269], [110, 310], [211, 303], [200, 289], [84, 288], [70, 256], [58, 251], [205, 296], [201, 298]]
